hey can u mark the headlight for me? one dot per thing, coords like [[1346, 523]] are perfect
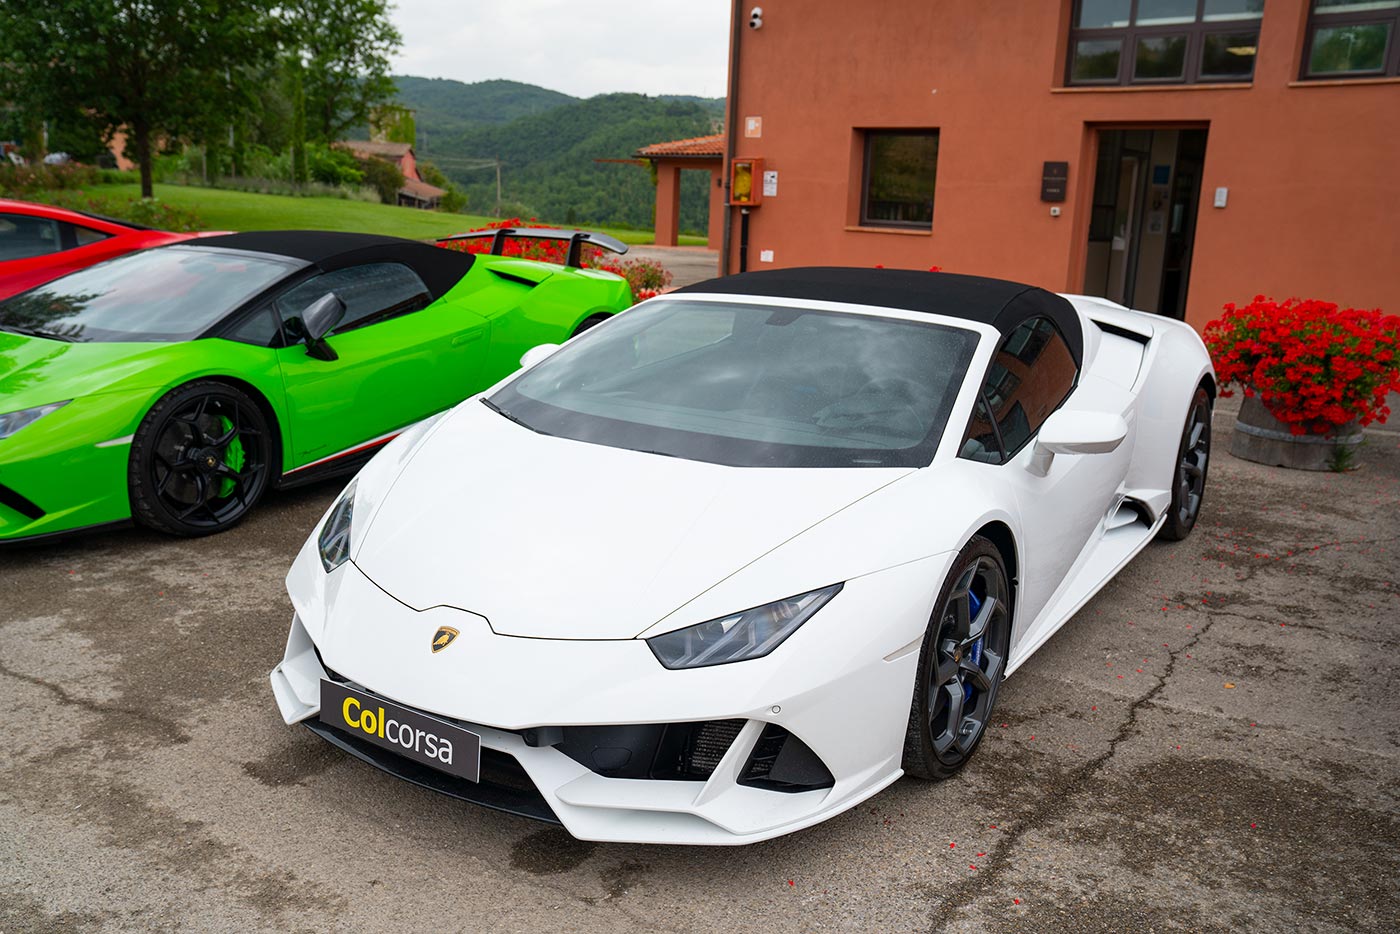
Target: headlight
[[334, 540], [12, 422], [750, 634]]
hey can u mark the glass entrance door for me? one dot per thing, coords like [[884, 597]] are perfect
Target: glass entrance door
[[1147, 185]]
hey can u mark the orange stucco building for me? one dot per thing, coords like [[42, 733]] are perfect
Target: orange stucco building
[[1170, 154]]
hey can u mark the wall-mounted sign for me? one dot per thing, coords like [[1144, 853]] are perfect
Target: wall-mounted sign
[[753, 127], [770, 183], [1054, 181], [745, 177]]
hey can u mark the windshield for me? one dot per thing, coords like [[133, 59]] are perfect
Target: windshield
[[168, 294], [750, 385]]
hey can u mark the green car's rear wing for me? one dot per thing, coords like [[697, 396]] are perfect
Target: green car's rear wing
[[576, 238]]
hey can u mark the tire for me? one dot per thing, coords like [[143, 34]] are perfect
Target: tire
[[1189, 475], [958, 676], [200, 460], [590, 321]]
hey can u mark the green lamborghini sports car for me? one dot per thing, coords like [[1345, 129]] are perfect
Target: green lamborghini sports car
[[176, 385]]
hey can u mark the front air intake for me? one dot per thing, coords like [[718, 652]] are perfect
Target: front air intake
[[782, 762], [666, 751], [708, 743]]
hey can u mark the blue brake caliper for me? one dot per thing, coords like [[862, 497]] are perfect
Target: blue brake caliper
[[974, 606]]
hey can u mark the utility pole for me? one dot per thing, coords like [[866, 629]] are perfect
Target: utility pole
[[498, 187]]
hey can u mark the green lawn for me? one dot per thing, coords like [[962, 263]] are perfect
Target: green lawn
[[221, 209]]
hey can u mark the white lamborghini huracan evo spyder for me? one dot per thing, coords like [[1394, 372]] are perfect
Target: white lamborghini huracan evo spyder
[[736, 559]]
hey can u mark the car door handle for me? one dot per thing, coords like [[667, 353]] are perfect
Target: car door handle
[[467, 337]]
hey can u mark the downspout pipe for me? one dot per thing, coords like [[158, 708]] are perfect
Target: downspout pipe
[[731, 132]]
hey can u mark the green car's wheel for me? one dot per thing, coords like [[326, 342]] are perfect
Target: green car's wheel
[[200, 460], [590, 321]]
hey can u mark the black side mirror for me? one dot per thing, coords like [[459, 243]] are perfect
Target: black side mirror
[[319, 318]]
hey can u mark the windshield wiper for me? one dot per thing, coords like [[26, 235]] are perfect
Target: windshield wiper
[[35, 332], [497, 409]]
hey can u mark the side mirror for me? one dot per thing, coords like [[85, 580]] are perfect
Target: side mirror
[[536, 354], [319, 318], [1076, 433]]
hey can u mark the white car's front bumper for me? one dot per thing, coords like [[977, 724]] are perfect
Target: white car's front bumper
[[842, 684]]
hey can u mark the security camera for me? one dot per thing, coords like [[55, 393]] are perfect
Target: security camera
[[756, 18]]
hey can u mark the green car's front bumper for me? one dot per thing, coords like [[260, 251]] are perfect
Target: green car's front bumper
[[67, 471]]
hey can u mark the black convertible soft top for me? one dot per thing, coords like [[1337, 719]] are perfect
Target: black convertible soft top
[[997, 302], [440, 269]]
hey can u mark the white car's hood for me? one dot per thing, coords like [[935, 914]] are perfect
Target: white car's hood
[[552, 538]]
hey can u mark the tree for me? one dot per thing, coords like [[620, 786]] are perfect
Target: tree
[[299, 174], [431, 174], [150, 68], [345, 46], [384, 177]]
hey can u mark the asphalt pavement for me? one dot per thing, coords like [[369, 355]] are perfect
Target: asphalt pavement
[[1212, 744], [686, 264]]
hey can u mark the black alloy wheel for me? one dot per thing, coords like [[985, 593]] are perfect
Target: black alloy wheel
[[1192, 462], [200, 460], [961, 664]]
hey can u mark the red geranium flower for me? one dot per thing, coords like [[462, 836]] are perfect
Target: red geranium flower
[[1314, 366]]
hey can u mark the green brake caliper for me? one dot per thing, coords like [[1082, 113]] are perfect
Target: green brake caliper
[[233, 458]]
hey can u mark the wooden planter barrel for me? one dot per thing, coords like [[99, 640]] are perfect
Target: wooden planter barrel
[[1261, 438]]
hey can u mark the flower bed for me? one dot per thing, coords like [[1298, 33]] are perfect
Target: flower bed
[[1314, 366]]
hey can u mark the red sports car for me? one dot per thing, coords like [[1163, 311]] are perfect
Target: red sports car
[[39, 242]]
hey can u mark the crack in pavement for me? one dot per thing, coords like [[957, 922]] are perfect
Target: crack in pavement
[[999, 855], [1217, 611], [143, 718]]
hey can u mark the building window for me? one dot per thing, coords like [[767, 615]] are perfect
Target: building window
[[1353, 39], [900, 166], [1114, 42]]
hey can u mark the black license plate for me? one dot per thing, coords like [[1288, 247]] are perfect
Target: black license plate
[[411, 734]]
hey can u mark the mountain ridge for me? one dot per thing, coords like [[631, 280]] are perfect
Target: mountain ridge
[[549, 144]]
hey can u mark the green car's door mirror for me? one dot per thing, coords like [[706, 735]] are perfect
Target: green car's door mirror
[[317, 321], [536, 354]]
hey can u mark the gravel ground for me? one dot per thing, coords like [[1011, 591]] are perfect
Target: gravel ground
[[1210, 745]]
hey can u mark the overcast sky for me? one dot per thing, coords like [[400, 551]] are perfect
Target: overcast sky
[[580, 48]]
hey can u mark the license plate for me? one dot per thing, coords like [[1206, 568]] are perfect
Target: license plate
[[411, 734]]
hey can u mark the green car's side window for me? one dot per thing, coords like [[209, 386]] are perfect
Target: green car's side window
[[259, 329], [372, 292]]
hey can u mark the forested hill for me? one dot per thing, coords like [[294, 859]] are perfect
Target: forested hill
[[547, 153], [444, 105]]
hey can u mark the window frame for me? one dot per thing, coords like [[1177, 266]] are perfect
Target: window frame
[[864, 219], [1390, 61], [1196, 33], [1000, 450]]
